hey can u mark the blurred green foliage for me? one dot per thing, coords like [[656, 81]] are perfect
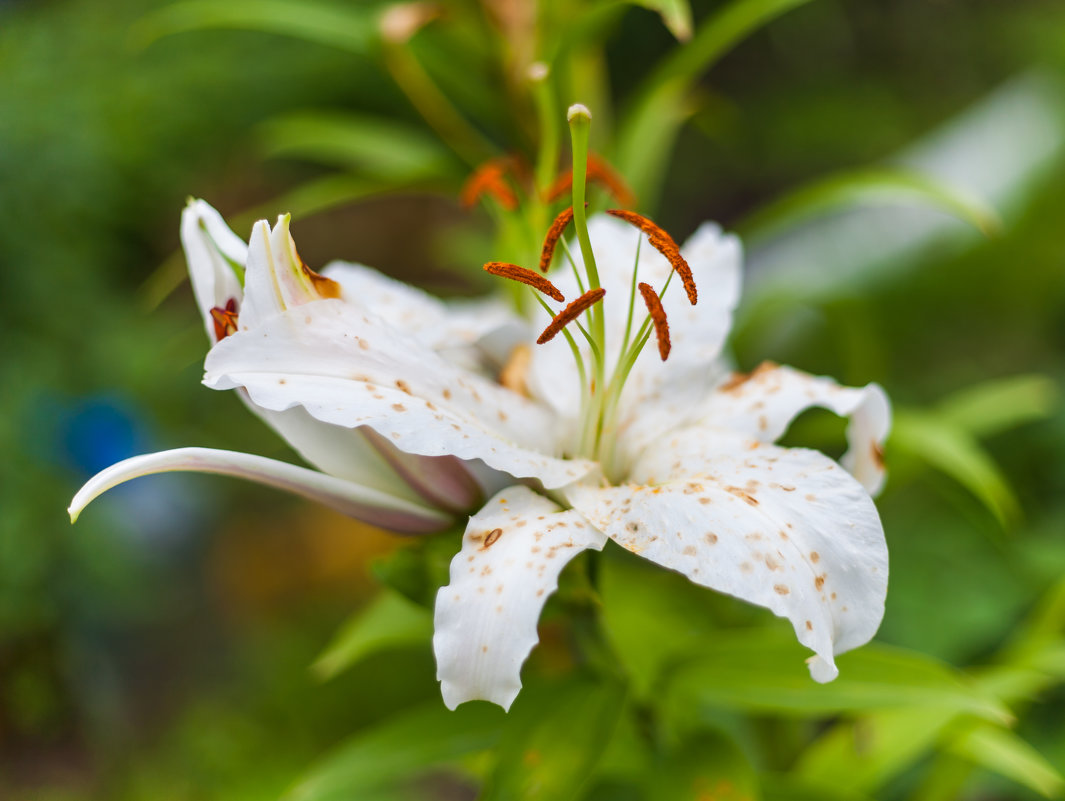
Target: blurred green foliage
[[161, 649]]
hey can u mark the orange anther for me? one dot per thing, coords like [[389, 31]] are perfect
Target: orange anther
[[528, 277], [664, 244], [489, 179], [658, 318], [598, 171], [571, 313], [554, 233], [225, 320]]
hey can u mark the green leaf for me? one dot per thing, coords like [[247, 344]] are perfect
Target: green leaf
[[789, 787], [385, 149], [718, 34], [863, 187], [348, 28], [764, 671], [1001, 751], [676, 14], [861, 755], [555, 736], [648, 629], [997, 405], [708, 766], [407, 744], [933, 439], [645, 141], [661, 106], [390, 620]]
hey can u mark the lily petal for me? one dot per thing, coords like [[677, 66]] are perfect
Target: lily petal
[[362, 503], [276, 278], [349, 369], [485, 622], [783, 528], [764, 402], [363, 457], [453, 329], [216, 258]]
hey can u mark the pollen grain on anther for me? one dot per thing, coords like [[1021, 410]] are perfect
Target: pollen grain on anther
[[224, 319], [664, 244], [488, 179], [658, 318], [571, 313], [528, 277], [554, 233]]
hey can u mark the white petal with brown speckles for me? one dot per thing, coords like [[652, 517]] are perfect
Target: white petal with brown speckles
[[763, 404], [512, 553], [349, 369], [783, 528]]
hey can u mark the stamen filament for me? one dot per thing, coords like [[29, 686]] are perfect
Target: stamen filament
[[528, 277], [632, 295], [554, 233], [664, 244], [581, 373], [573, 265], [571, 313], [658, 319]]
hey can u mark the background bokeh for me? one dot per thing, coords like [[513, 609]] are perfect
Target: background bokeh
[[160, 648]]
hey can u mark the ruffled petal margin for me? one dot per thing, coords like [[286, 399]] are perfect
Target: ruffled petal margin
[[512, 553], [763, 403], [783, 528]]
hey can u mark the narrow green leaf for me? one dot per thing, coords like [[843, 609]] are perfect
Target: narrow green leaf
[[351, 28], [1001, 751], [864, 187], [389, 621], [863, 754], [931, 438], [708, 766], [385, 149], [645, 141], [763, 670], [660, 107], [718, 34], [554, 738], [399, 749], [676, 14], [995, 406]]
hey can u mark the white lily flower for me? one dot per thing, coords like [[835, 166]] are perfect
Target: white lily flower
[[673, 460], [362, 474]]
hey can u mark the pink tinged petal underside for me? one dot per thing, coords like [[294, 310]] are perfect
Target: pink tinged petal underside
[[363, 503], [215, 257], [786, 529], [361, 456], [512, 553], [349, 369], [763, 403]]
